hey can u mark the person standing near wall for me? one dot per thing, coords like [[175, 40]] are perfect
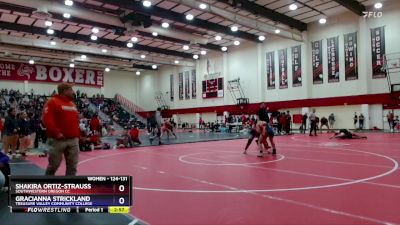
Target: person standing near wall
[[158, 120], [304, 123], [390, 119], [313, 120], [361, 121], [60, 117], [331, 119], [288, 122], [324, 122], [355, 119]]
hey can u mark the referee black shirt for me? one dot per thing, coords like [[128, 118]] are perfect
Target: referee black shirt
[[263, 115]]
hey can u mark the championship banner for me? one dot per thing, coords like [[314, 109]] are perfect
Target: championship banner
[[283, 78], [180, 86], [171, 87], [350, 56], [378, 52], [17, 71], [296, 65], [270, 70], [194, 95], [187, 87], [317, 62], [333, 59]]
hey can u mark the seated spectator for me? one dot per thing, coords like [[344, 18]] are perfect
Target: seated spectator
[[134, 136], [95, 124], [123, 140]]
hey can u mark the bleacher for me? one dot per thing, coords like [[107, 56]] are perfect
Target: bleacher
[[116, 112]]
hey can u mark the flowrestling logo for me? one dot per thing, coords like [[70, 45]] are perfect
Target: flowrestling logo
[[371, 14]]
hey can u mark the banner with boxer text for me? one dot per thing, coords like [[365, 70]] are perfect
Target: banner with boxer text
[[17, 71]]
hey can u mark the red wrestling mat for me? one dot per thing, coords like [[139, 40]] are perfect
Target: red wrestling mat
[[312, 180]]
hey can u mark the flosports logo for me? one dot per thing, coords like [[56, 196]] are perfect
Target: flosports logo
[[371, 14]]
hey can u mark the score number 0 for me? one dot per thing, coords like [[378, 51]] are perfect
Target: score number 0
[[121, 200]]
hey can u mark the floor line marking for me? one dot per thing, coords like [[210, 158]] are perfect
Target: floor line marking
[[303, 204]]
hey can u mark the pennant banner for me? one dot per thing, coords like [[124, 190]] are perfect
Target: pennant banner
[[283, 78], [180, 86], [194, 91], [333, 59], [270, 70], [296, 65], [378, 52], [171, 87], [350, 56], [317, 62], [187, 87]]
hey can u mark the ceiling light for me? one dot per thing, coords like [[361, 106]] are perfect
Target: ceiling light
[[71, 65], [146, 3], [93, 37], [31, 61], [322, 21], [293, 7], [68, 2], [378, 5], [234, 28], [50, 31], [176, 62], [218, 38], [143, 56], [261, 38], [224, 49], [155, 34], [129, 45], [277, 31], [203, 6], [95, 30], [107, 69], [189, 17], [185, 47], [83, 56], [154, 66], [48, 23], [53, 43], [104, 50], [137, 73], [67, 15], [165, 25], [195, 56], [236, 42], [203, 52], [134, 39]]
